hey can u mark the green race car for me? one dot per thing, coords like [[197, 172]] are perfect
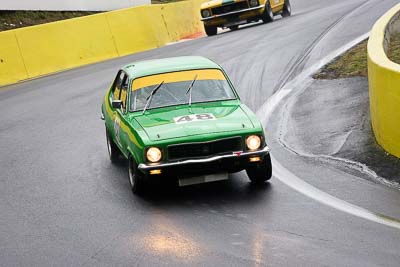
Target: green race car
[[181, 118]]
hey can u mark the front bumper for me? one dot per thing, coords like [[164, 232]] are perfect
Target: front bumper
[[234, 16], [234, 161]]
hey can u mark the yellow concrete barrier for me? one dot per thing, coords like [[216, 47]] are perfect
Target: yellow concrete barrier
[[12, 66], [61, 45], [384, 84], [133, 29], [43, 49], [180, 18]]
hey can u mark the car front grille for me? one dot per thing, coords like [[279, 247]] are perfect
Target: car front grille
[[229, 8], [204, 150]]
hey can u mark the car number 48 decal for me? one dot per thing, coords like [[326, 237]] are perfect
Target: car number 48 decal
[[194, 117], [117, 122]]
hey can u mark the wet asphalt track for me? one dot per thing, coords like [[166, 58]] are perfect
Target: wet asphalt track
[[63, 203]]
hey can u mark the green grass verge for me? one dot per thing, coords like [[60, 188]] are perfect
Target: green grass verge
[[16, 19], [354, 62], [351, 64], [394, 48]]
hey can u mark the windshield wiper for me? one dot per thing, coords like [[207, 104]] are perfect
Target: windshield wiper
[[190, 89], [150, 97]]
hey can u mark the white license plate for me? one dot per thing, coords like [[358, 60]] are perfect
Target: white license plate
[[203, 179]]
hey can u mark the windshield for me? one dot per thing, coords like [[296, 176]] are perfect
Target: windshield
[[210, 85]]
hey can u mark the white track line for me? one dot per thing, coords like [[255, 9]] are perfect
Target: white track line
[[290, 179], [285, 176], [302, 80]]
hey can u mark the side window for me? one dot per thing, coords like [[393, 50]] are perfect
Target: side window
[[124, 90], [117, 85]]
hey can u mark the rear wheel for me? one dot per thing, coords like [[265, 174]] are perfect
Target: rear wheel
[[210, 30], [261, 172], [234, 28], [268, 15], [136, 178], [287, 9], [113, 150]]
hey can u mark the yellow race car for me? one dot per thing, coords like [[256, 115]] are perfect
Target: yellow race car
[[232, 13]]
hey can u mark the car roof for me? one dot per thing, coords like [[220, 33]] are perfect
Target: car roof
[[157, 66]]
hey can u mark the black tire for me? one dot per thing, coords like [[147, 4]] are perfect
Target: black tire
[[234, 28], [113, 150], [262, 172], [136, 178], [287, 9], [210, 30], [268, 16]]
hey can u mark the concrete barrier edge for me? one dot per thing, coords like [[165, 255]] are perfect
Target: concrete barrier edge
[[48, 48], [384, 86]]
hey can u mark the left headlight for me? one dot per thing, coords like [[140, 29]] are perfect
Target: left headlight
[[253, 142], [253, 3], [205, 13], [153, 154]]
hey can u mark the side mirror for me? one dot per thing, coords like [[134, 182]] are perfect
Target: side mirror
[[117, 104]]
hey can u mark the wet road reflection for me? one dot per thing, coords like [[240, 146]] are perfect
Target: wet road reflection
[[167, 240], [258, 250]]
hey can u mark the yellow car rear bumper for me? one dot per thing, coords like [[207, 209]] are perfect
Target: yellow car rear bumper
[[235, 17]]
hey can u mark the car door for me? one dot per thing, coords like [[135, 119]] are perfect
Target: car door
[[122, 113], [115, 123]]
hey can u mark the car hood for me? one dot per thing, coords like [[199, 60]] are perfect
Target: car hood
[[163, 124], [217, 3]]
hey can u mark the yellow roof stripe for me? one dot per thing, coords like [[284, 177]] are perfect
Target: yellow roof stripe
[[179, 76]]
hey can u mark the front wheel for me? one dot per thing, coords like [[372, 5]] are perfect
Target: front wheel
[[287, 9], [210, 30], [268, 15], [136, 178], [261, 172]]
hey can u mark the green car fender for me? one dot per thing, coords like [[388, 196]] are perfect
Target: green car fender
[[135, 149], [253, 118]]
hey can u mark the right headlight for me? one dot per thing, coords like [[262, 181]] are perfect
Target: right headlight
[[153, 154], [205, 13], [253, 142], [253, 3]]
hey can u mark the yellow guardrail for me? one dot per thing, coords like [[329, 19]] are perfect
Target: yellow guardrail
[[43, 49], [384, 83]]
